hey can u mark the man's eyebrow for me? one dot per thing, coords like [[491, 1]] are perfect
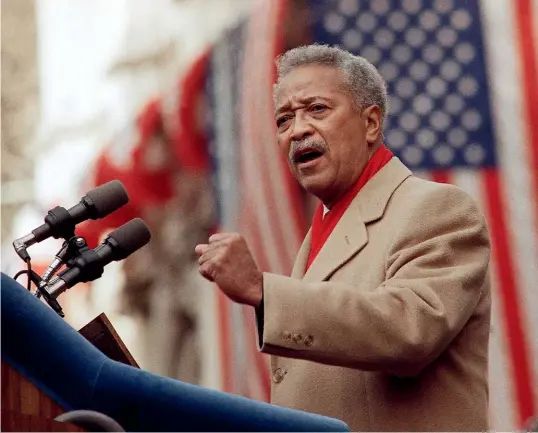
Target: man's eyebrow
[[304, 101], [282, 108]]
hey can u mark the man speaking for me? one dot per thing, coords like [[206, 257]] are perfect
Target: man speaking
[[384, 322]]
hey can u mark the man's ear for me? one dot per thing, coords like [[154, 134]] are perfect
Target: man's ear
[[373, 118]]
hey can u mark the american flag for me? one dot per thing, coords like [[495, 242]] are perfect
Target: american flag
[[255, 192], [463, 85], [462, 79]]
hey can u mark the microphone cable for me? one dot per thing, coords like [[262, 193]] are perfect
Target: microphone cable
[[28, 272]]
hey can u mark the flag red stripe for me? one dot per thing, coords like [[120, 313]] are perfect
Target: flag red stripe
[[226, 359], [249, 335], [503, 257], [276, 220], [270, 208], [526, 35], [297, 211], [189, 141], [256, 184], [250, 221], [251, 225], [258, 122], [440, 176]]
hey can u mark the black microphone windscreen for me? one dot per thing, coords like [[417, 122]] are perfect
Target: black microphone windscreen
[[130, 237], [108, 197]]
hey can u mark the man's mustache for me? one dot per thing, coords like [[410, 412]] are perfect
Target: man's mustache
[[297, 146]]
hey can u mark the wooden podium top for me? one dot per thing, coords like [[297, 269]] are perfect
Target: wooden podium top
[[102, 335]]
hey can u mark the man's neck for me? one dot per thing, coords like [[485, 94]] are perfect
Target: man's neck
[[329, 204]]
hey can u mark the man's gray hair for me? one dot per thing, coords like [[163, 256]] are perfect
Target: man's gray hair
[[363, 81]]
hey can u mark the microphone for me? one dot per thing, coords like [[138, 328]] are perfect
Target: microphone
[[89, 265], [60, 223]]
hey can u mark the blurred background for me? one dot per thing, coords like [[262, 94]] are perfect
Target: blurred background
[[174, 98]]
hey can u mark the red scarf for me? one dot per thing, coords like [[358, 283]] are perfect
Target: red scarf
[[323, 227]]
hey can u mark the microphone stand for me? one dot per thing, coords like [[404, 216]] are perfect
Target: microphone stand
[[72, 248], [100, 331], [40, 284]]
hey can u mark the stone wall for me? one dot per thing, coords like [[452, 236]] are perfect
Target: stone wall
[[20, 99]]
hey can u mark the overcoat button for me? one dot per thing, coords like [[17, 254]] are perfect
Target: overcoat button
[[278, 375]]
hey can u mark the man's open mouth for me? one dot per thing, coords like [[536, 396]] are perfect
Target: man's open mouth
[[306, 155]]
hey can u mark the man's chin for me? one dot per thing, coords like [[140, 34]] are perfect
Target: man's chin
[[315, 185]]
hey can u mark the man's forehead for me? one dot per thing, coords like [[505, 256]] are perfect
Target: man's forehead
[[313, 77], [308, 82], [306, 98]]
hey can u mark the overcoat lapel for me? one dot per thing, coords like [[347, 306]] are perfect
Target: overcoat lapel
[[302, 256], [350, 235]]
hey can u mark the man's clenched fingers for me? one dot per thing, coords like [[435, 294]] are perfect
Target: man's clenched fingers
[[223, 237], [201, 249], [207, 272], [204, 248], [208, 255]]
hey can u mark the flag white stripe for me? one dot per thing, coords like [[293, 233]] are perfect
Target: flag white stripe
[[514, 167], [225, 139], [239, 348], [502, 416], [469, 182], [502, 401], [227, 175], [208, 328]]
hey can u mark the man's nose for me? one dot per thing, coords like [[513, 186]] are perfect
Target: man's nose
[[301, 129]]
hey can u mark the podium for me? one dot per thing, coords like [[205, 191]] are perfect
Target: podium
[[54, 365], [26, 408]]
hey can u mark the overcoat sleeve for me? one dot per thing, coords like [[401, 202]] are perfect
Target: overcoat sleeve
[[436, 272]]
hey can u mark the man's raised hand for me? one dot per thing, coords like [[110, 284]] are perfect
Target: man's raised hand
[[227, 261]]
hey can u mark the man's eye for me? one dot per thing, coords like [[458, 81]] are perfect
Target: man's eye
[[281, 120], [318, 107]]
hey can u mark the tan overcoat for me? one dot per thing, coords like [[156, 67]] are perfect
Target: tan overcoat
[[388, 329]]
